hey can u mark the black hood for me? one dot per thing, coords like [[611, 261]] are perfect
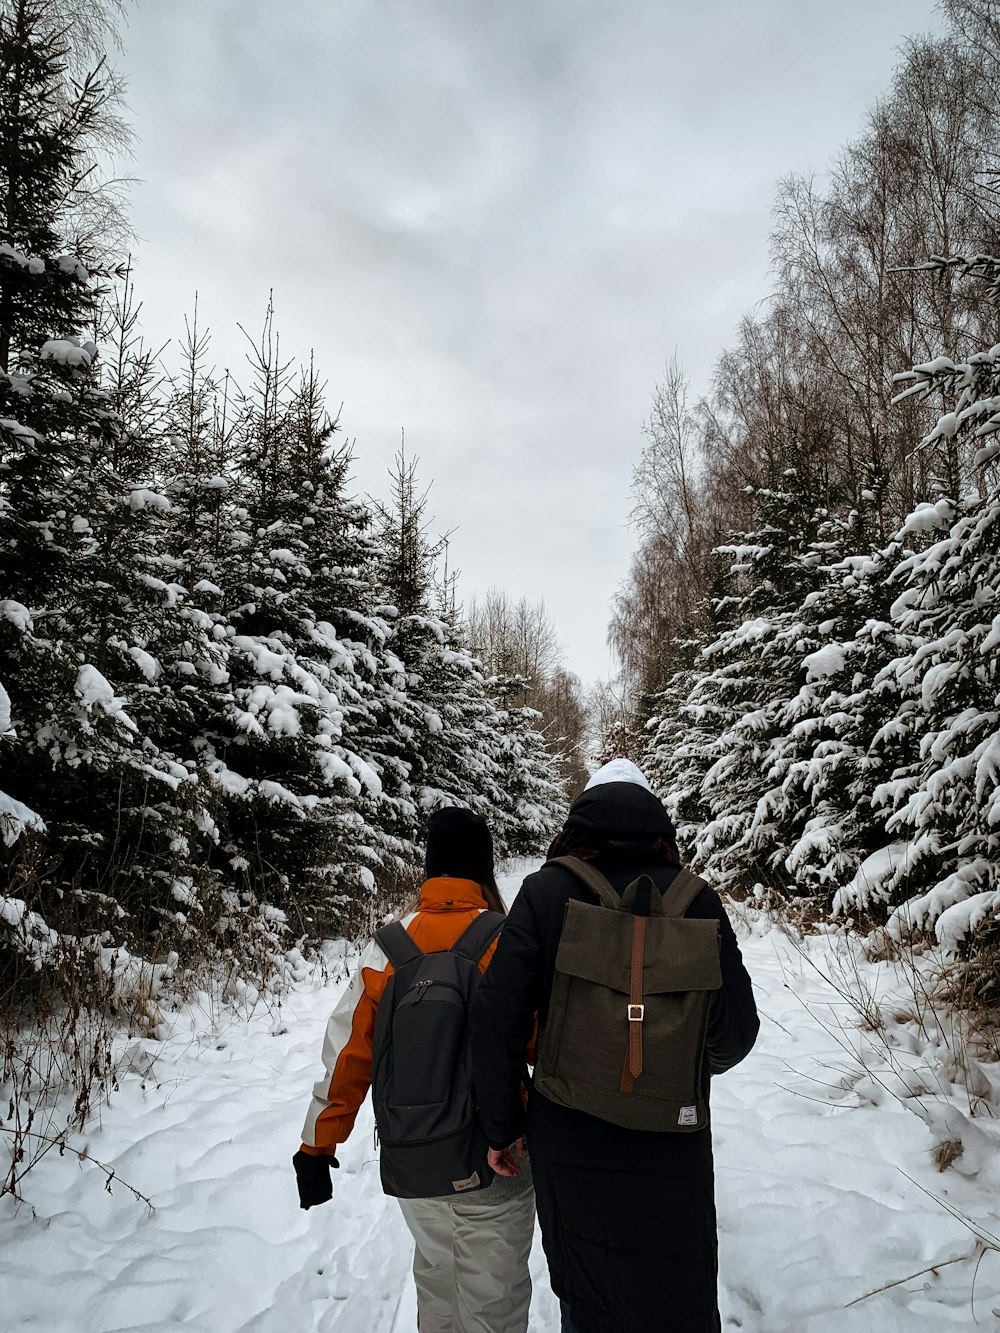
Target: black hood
[[617, 823], [620, 810]]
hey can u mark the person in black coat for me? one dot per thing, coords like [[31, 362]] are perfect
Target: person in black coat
[[627, 1216]]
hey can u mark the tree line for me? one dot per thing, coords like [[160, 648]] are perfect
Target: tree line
[[808, 633], [231, 690]]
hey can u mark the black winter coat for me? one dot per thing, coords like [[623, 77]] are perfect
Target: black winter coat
[[627, 1216]]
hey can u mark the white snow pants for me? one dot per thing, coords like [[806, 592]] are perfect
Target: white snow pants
[[471, 1259]]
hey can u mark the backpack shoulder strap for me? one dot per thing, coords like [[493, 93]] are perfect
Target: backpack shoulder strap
[[681, 892], [478, 935], [591, 877], [397, 944]]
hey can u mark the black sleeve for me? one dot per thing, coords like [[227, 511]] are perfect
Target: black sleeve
[[503, 1020], [733, 1023]]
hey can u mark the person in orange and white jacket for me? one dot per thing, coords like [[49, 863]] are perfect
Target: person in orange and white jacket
[[470, 1260]]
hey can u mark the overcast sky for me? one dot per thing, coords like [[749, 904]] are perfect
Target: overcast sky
[[494, 220]]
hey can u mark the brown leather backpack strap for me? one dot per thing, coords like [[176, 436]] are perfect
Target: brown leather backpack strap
[[591, 877], [636, 1007], [681, 892]]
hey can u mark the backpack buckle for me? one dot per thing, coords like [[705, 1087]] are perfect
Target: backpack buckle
[[636, 1013]]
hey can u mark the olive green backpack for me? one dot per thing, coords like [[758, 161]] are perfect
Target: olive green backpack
[[624, 1039]]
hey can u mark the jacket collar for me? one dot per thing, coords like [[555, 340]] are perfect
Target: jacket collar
[[445, 893]]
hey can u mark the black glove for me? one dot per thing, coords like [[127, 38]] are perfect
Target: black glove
[[312, 1175]]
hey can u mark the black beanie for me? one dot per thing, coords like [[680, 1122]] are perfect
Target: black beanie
[[459, 844]]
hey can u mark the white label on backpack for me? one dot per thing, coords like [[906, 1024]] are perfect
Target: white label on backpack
[[688, 1115], [469, 1184]]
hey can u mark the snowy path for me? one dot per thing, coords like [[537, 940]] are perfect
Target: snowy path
[[814, 1207]]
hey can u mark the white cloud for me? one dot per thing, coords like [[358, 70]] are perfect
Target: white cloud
[[494, 223]]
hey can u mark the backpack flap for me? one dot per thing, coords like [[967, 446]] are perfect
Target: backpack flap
[[680, 954]]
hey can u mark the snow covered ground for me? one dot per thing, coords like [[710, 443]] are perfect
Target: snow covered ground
[[824, 1141]]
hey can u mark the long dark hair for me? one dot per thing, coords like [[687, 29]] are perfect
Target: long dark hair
[[492, 895]]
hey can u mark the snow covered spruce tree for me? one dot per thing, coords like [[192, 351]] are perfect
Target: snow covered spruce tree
[[805, 708], [272, 548], [443, 719], [839, 738], [84, 601], [734, 716], [459, 745], [675, 752], [535, 797], [851, 754], [946, 813]]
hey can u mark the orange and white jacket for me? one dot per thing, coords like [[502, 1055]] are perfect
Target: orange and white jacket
[[445, 908]]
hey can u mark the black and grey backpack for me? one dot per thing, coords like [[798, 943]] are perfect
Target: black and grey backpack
[[432, 1144]]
